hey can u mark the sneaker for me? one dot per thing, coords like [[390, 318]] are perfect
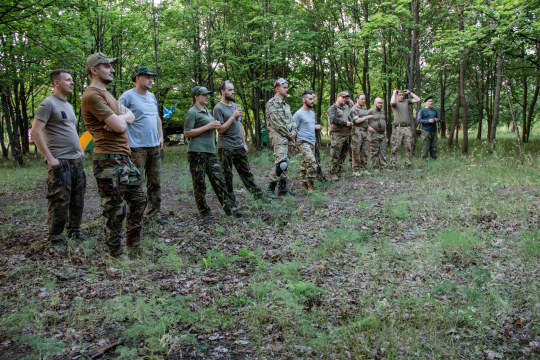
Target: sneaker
[[162, 222]]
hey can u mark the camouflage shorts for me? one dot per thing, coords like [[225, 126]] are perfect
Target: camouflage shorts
[[119, 182], [308, 169]]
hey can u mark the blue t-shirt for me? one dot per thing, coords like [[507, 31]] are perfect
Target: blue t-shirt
[[305, 122], [143, 132], [423, 118]]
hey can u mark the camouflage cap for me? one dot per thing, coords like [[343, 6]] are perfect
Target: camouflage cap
[[98, 58], [280, 81], [200, 90], [143, 70], [343, 93]]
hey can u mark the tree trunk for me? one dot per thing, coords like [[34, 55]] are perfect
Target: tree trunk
[[462, 68], [514, 121], [455, 118], [442, 82], [24, 119], [481, 100], [531, 108], [5, 152], [496, 100], [12, 127]]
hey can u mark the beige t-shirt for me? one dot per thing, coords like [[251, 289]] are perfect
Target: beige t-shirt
[[401, 112], [60, 133], [378, 122], [96, 106]]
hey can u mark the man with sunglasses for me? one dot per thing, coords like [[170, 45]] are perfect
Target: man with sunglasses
[[232, 145], [146, 137], [116, 176], [378, 139], [401, 132], [282, 134], [340, 131]]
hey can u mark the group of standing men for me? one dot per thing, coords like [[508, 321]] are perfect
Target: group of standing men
[[128, 137]]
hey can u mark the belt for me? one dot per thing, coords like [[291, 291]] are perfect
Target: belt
[[400, 125], [107, 156]]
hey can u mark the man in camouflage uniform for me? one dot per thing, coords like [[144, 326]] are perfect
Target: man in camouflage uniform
[[340, 126], [146, 137], [232, 145], [282, 133], [360, 136], [378, 139], [306, 140], [59, 144], [402, 131], [116, 176]]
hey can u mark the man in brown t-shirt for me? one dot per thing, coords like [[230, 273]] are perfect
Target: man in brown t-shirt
[[117, 178], [402, 129], [54, 134]]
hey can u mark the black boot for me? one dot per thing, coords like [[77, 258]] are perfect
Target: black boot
[[271, 188], [282, 188]]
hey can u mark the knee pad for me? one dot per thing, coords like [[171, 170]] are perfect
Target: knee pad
[[282, 167]]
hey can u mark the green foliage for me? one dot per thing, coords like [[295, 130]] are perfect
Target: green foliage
[[337, 239], [456, 240], [530, 244], [319, 199], [44, 348], [218, 260]]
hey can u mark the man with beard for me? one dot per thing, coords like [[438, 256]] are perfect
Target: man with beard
[[340, 134], [232, 146], [146, 137], [59, 144], [378, 140], [429, 117], [282, 133], [116, 176], [305, 141]]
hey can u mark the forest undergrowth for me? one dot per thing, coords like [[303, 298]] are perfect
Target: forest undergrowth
[[435, 262]]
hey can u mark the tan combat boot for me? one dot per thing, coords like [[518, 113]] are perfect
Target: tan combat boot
[[310, 186], [303, 186]]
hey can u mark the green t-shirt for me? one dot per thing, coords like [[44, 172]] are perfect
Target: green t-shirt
[[205, 142]]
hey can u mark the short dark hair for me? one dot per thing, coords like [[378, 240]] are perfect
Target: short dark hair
[[223, 84], [360, 94], [307, 92], [55, 74]]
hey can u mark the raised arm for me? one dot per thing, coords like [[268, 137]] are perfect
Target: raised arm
[[393, 99]]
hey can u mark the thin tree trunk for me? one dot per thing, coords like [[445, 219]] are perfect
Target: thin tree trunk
[[481, 100], [442, 82], [5, 151], [12, 127], [515, 125], [455, 118], [496, 100], [462, 67], [531, 108], [24, 119]]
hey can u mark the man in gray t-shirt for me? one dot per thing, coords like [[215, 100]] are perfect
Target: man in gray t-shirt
[[232, 146], [146, 137], [305, 140], [66, 181]]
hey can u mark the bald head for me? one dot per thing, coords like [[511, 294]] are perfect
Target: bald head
[[378, 103]]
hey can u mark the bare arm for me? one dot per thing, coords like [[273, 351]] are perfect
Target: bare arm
[[223, 127], [37, 128], [416, 98], [243, 138], [198, 131], [362, 119], [160, 132], [393, 99]]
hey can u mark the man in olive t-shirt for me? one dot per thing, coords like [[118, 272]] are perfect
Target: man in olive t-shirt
[[232, 146], [378, 139], [402, 129], [340, 131], [116, 176], [59, 144]]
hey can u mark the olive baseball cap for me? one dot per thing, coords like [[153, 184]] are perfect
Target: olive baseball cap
[[98, 58], [143, 70], [200, 90], [343, 93]]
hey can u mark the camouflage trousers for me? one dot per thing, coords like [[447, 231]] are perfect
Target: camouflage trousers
[[148, 162], [282, 152], [378, 150], [401, 135], [207, 163], [429, 144], [238, 158], [340, 147], [118, 180], [66, 186], [360, 148], [308, 169]]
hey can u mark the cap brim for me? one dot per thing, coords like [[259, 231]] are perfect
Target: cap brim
[[207, 92]]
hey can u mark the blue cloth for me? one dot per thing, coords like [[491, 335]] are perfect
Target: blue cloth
[[423, 118], [167, 113], [305, 122], [143, 132]]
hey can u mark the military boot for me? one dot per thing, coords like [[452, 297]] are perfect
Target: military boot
[[271, 188], [282, 188], [310, 187]]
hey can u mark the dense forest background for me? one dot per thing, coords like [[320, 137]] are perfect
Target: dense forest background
[[473, 57]]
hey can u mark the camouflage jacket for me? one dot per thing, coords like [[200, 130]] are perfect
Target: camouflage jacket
[[358, 112], [338, 118], [279, 119]]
